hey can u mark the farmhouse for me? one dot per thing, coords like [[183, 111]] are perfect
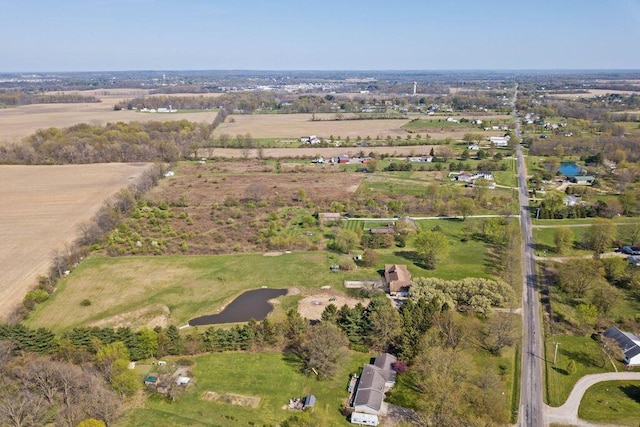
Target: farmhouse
[[629, 344], [397, 278]]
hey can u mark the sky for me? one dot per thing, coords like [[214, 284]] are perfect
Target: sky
[[120, 35]]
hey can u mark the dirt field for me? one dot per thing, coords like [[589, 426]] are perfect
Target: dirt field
[[18, 123], [297, 125], [42, 209], [594, 92], [312, 306]]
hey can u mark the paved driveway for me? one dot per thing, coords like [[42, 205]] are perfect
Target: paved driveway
[[568, 413]]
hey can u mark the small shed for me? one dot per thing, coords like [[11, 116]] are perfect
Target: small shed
[[181, 380], [309, 401], [364, 419], [151, 380]]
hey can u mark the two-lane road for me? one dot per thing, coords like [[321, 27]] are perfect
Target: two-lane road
[[531, 408]]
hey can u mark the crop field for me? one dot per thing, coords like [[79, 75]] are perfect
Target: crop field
[[296, 125], [20, 122], [42, 207]]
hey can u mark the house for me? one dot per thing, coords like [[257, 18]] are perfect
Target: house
[[343, 159], [311, 139], [374, 381], [384, 362], [464, 177], [582, 179], [383, 230], [151, 380], [499, 141], [397, 278], [629, 344], [324, 217], [369, 395], [364, 419], [473, 147], [571, 200]]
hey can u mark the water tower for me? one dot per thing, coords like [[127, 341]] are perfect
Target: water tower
[[415, 85]]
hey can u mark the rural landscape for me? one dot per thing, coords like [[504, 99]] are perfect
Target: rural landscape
[[337, 250]]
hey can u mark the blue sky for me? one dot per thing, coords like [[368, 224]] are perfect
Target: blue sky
[[104, 35]]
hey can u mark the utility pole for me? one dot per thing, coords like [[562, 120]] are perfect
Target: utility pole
[[555, 353]]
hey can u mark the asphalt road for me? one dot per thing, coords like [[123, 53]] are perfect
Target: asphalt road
[[531, 409]]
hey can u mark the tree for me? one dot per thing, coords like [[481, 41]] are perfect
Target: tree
[[500, 331], [600, 236], [385, 325], [345, 240], [465, 206], [370, 258], [563, 239], [322, 348], [431, 247], [571, 367], [579, 275], [586, 315]]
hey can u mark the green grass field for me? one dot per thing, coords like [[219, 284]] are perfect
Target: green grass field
[[273, 377], [188, 285], [589, 359], [612, 402]]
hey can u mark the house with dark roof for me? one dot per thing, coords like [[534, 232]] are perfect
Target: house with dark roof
[[629, 344], [374, 381], [397, 278]]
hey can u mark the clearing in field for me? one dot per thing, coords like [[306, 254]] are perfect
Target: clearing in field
[[312, 306], [43, 206], [232, 399]]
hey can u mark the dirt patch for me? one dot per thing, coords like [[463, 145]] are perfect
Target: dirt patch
[[151, 316], [272, 254], [231, 399], [43, 208], [312, 306]]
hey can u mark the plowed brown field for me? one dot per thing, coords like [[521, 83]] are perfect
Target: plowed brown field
[[42, 208]]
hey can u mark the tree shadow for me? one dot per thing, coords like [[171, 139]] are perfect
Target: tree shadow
[[408, 255], [632, 391], [581, 357], [560, 370], [294, 361], [539, 248]]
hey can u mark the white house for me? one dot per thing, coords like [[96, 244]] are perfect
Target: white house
[[499, 141], [629, 344]]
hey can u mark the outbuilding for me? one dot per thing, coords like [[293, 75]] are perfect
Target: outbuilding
[[364, 419], [628, 343]]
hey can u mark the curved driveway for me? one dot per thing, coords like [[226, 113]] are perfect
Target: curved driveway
[[568, 413]]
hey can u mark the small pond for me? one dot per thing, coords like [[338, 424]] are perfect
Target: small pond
[[249, 305], [569, 169]]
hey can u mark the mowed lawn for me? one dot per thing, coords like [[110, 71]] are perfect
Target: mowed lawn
[[272, 377], [187, 286], [612, 402]]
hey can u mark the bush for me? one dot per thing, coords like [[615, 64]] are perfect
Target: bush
[[85, 302]]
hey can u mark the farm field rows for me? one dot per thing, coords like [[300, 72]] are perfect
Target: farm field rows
[[21, 122], [42, 209]]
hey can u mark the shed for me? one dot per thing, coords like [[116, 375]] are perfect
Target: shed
[[364, 419], [309, 401], [582, 179]]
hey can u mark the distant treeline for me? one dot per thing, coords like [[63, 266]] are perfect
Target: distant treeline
[[15, 98], [114, 142]]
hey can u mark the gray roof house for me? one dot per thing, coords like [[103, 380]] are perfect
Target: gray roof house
[[629, 344], [375, 380]]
